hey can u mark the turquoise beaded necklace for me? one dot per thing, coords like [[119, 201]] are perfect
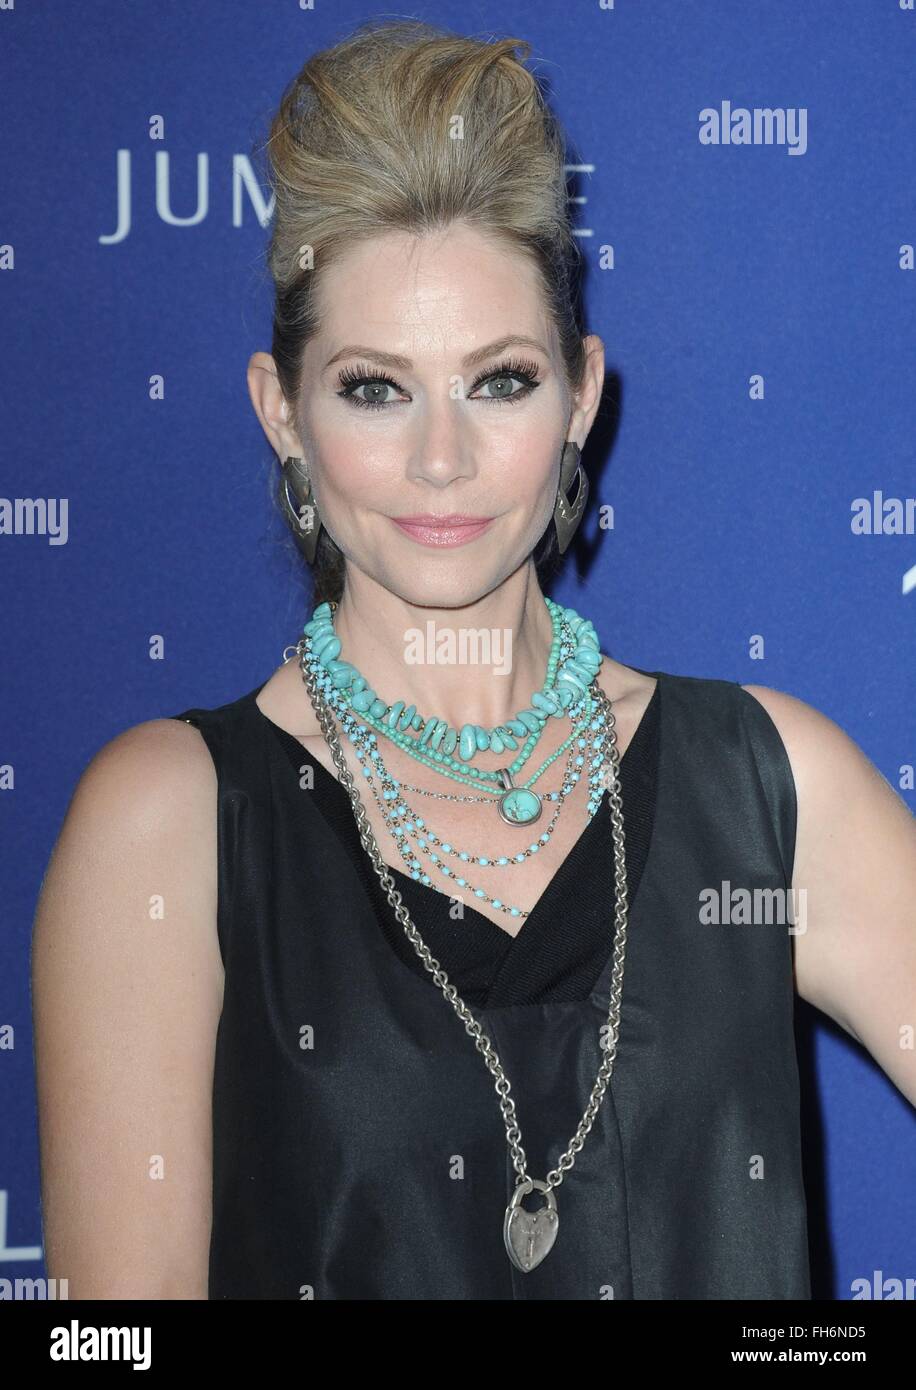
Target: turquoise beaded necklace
[[566, 692], [572, 665], [447, 766]]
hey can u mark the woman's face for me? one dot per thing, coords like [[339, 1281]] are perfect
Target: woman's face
[[466, 423]]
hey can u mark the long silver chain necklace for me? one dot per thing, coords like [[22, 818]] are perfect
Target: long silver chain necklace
[[528, 1236]]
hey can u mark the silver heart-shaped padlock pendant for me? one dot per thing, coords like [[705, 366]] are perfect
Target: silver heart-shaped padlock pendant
[[529, 1235]]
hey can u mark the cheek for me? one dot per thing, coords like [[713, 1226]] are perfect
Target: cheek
[[354, 473], [525, 471], [520, 444], [534, 457]]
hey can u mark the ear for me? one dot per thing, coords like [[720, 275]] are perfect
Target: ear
[[588, 398], [271, 407]]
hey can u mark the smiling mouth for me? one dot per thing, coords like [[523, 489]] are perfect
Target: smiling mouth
[[447, 519], [443, 531]]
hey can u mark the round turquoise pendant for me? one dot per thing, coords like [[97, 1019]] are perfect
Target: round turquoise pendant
[[519, 806]]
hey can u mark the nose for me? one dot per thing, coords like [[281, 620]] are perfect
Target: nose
[[445, 447]]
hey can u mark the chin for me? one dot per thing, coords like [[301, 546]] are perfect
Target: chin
[[462, 591], [453, 585]]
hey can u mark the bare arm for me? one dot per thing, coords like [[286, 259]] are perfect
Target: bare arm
[[856, 858], [126, 996]]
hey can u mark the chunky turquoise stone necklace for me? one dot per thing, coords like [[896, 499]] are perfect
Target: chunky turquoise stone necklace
[[460, 772], [566, 692], [572, 665]]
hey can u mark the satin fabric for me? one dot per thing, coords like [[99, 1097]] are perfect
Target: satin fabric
[[359, 1149]]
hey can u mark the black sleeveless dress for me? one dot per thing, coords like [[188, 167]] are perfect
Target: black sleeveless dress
[[359, 1151]]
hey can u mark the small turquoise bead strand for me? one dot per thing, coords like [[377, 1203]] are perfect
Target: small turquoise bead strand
[[403, 823]]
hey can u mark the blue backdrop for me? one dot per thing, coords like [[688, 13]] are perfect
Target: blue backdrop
[[757, 305]]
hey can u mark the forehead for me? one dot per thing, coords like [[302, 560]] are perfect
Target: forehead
[[446, 291]]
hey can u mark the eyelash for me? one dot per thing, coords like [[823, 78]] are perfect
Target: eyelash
[[353, 377]]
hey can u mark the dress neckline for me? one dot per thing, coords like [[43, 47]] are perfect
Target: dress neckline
[[422, 893]]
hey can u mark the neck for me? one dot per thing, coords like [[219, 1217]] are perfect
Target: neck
[[477, 664]]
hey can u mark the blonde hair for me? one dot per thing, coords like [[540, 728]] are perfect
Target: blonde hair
[[404, 126]]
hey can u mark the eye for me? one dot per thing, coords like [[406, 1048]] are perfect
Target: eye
[[503, 375], [376, 388], [354, 379]]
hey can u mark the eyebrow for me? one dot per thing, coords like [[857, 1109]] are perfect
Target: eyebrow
[[404, 364]]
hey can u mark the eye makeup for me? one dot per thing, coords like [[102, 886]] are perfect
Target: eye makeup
[[351, 379]]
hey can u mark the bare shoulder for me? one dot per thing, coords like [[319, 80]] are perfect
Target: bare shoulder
[[143, 809], [841, 793], [821, 754], [149, 758]]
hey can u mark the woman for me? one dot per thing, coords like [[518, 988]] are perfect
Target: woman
[[353, 987]]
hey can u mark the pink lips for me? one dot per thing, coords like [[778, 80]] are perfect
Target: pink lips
[[443, 531]]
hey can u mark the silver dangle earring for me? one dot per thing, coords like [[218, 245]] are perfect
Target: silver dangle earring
[[567, 514], [295, 493]]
